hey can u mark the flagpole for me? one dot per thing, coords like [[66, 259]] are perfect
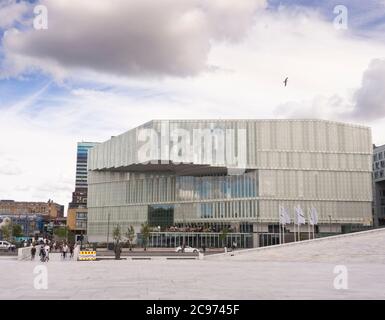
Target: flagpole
[[283, 233], [308, 225], [279, 221], [299, 232], [295, 233]]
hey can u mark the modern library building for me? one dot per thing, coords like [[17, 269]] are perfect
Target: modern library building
[[191, 179]]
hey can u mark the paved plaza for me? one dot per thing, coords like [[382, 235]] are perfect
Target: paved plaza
[[299, 271]]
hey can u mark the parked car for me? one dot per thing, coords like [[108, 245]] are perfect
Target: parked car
[[5, 245], [187, 249]]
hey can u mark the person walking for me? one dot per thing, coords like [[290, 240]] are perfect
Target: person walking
[[33, 252]]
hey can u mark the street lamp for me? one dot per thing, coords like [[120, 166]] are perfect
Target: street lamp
[[108, 229], [330, 223]]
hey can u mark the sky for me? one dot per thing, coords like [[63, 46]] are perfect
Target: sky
[[101, 68]]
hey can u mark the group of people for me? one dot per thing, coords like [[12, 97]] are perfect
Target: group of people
[[46, 246], [43, 252]]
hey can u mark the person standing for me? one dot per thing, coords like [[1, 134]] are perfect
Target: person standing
[[42, 253], [46, 249], [71, 247], [33, 252], [65, 250]]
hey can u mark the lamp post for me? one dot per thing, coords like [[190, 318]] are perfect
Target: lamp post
[[330, 223], [108, 229]]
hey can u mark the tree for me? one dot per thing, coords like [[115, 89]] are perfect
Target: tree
[[130, 234], [6, 232], [117, 236], [145, 232], [61, 232], [17, 230], [223, 235]]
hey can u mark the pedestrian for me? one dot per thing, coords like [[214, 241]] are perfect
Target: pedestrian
[[71, 247], [33, 252], [46, 249], [42, 253], [65, 249]]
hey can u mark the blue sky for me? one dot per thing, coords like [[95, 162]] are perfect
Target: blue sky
[[92, 76]]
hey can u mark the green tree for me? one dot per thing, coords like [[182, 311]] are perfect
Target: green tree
[[17, 230], [145, 232], [117, 234], [130, 234], [61, 232], [223, 236], [6, 232]]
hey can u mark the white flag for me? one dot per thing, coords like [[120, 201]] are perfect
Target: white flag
[[300, 215], [310, 217], [282, 219], [314, 216], [287, 216]]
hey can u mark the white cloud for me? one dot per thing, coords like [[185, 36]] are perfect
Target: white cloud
[[370, 97], [11, 12], [130, 38], [9, 167], [325, 67], [366, 103]]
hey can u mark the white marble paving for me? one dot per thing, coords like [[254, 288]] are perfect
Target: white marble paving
[[302, 271]]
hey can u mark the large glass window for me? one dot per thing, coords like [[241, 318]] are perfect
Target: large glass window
[[217, 187], [161, 215]]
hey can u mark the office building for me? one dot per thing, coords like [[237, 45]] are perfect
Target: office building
[[77, 208], [379, 185], [50, 210], [192, 179]]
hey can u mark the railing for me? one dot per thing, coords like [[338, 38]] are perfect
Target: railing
[[197, 239]]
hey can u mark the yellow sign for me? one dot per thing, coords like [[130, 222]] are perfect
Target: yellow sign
[[87, 255]]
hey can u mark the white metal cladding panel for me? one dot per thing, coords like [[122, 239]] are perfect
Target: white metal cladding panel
[[328, 211], [216, 211], [326, 185], [120, 215], [312, 135], [321, 161], [115, 188], [262, 135]]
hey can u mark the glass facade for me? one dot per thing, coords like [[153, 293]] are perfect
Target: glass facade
[[81, 163]]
